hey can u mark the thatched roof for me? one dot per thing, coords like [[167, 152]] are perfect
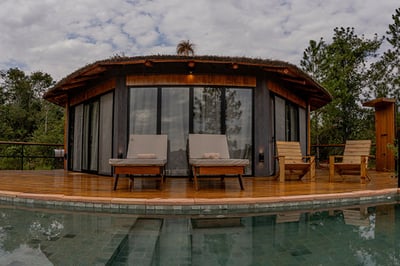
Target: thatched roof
[[290, 73]]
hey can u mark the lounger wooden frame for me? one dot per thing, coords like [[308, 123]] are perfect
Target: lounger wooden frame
[[140, 160], [144, 170], [221, 166]]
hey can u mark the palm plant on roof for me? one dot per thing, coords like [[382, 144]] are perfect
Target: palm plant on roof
[[185, 48]]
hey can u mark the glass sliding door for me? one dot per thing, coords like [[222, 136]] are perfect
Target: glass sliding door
[[76, 139], [90, 137], [286, 120], [280, 124], [207, 110], [175, 123], [239, 117], [226, 111], [292, 122], [143, 111], [105, 134], [178, 111], [90, 147]]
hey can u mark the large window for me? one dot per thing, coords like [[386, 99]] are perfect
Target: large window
[[90, 148], [286, 120], [143, 111], [175, 124], [292, 122], [90, 137], [178, 111], [207, 110], [239, 122]]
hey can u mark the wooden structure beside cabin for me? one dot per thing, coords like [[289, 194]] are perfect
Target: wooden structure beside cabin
[[385, 132], [255, 102]]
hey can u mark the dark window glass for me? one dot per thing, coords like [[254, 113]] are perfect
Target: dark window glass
[[143, 111], [175, 123]]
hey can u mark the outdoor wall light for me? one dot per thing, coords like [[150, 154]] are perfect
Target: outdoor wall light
[[191, 65], [261, 156], [235, 66], [148, 63]]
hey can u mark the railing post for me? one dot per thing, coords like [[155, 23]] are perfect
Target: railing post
[[22, 157], [398, 157]]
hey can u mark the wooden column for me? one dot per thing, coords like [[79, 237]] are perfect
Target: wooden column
[[384, 132]]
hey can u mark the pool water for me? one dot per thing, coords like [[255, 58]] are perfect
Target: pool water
[[356, 235]]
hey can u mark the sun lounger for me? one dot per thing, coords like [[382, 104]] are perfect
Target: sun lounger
[[146, 156], [209, 155]]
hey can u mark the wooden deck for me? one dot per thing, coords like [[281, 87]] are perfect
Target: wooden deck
[[59, 183]]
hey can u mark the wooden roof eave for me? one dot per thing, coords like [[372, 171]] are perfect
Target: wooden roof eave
[[287, 72], [313, 90]]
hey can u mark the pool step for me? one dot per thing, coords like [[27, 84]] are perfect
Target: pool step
[[142, 243], [174, 243], [93, 243]]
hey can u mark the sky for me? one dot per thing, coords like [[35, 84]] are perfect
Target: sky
[[60, 36]]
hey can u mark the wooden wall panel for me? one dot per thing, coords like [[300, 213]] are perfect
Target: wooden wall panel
[[191, 79], [285, 93], [385, 134], [84, 95]]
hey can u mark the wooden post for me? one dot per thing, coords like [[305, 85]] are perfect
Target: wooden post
[[384, 132], [398, 157], [281, 169]]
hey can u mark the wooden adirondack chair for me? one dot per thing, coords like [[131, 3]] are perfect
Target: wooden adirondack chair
[[290, 159], [353, 161]]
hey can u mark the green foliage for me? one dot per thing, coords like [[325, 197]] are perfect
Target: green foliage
[[26, 117], [22, 103], [341, 67], [385, 73]]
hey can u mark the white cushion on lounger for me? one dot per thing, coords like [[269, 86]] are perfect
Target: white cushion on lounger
[[219, 162], [201, 145], [146, 156], [137, 162], [206, 143], [211, 155], [144, 150], [146, 144]]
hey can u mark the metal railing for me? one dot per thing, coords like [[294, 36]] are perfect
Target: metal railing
[[30, 155], [322, 152]]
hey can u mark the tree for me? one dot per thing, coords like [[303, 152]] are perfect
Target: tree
[[25, 116], [185, 48], [23, 109], [385, 73], [313, 58], [341, 67]]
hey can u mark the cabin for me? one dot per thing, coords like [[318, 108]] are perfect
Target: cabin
[[255, 102]]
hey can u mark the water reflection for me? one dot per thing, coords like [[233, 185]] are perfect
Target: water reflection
[[356, 235]]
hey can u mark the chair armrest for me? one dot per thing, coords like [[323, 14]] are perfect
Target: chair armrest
[[309, 158], [364, 159], [334, 158]]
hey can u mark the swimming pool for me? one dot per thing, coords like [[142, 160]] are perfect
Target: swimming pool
[[346, 235]]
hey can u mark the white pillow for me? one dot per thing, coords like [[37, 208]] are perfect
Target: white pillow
[[211, 155], [146, 156]]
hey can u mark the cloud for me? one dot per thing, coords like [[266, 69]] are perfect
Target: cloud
[[58, 37]]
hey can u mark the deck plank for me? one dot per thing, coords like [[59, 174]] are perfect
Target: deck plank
[[88, 185]]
